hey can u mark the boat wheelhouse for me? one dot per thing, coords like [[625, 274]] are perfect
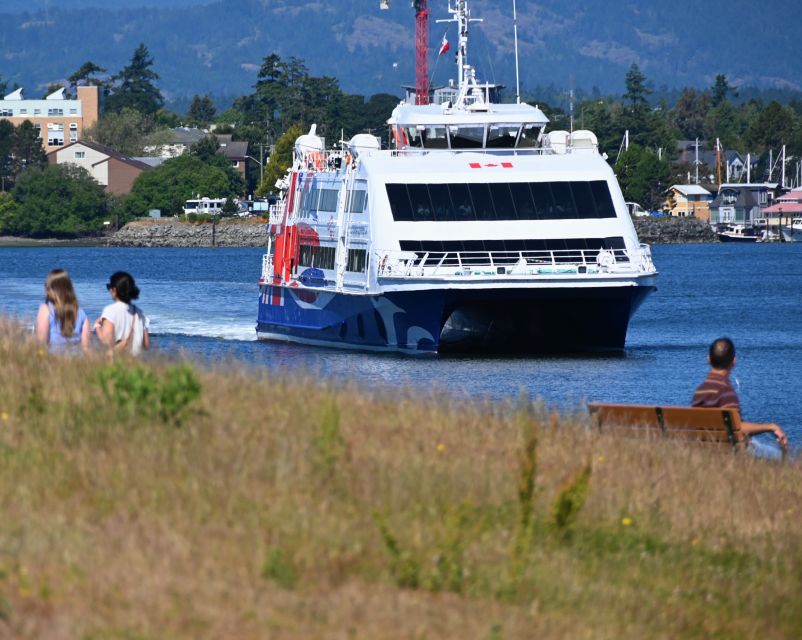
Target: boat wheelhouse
[[476, 231]]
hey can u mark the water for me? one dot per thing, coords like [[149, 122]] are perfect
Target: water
[[203, 301]]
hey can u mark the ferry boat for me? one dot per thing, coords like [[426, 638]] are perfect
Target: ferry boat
[[477, 231]]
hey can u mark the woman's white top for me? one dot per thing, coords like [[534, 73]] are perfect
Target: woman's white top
[[127, 318]]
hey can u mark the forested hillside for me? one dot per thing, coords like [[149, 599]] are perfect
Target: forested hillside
[[217, 48]]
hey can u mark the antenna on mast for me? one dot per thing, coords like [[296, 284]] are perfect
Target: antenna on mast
[[517, 73]]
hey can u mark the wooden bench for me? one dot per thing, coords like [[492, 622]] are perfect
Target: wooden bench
[[710, 426]]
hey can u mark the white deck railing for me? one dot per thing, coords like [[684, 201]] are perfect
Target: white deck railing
[[421, 264]]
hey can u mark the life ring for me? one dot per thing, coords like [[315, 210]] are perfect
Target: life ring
[[605, 258]]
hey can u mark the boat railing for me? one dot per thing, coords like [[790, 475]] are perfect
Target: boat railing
[[424, 264], [276, 213], [267, 268]]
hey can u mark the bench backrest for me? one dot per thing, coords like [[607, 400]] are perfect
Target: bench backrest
[[713, 426]]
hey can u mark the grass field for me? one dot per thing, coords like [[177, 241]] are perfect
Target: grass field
[[162, 500]]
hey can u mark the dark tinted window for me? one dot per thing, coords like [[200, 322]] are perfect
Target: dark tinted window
[[501, 201], [399, 201], [604, 202]]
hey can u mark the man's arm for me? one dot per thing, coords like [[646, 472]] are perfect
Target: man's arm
[[753, 428]]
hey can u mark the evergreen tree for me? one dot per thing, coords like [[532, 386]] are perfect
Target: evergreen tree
[[86, 75], [201, 111], [230, 208], [6, 154], [133, 87], [128, 131], [280, 161], [721, 88], [643, 176], [637, 90], [28, 152]]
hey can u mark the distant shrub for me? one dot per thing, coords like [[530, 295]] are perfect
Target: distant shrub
[[134, 389], [278, 568]]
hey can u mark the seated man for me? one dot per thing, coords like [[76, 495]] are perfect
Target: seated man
[[716, 390]]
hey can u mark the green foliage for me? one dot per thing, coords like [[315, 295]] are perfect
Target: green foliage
[[570, 500], [280, 161], [58, 200], [643, 176], [527, 473], [86, 74], [133, 86], [637, 90], [279, 569], [206, 148], [9, 210], [230, 208], [170, 184], [27, 149], [450, 561], [329, 443], [201, 111], [404, 568], [128, 131], [134, 390]]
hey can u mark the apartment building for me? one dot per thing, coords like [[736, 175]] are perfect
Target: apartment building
[[59, 120]]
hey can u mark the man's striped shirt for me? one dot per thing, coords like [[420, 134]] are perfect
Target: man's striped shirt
[[716, 391]]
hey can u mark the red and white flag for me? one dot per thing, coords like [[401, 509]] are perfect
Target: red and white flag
[[444, 45]]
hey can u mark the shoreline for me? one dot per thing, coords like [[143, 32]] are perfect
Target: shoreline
[[252, 233]]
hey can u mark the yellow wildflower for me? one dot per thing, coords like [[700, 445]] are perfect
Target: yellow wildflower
[[440, 447], [4, 416], [40, 353], [626, 521]]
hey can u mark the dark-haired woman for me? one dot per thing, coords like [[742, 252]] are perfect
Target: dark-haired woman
[[61, 323], [122, 325]]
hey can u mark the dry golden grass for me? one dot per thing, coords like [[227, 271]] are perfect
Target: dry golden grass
[[261, 515]]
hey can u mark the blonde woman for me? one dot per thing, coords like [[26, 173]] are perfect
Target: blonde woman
[[61, 323]]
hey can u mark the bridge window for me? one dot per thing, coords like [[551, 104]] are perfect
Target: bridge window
[[529, 136], [466, 136], [502, 136]]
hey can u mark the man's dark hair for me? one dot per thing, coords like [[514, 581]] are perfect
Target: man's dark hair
[[722, 353]]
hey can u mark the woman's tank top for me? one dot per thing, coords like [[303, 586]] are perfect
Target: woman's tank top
[[58, 341]]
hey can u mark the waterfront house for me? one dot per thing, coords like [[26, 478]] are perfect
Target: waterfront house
[[236, 152], [688, 200], [115, 171], [58, 120], [741, 203], [788, 205]]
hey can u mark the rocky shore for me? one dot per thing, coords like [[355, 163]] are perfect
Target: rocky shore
[[253, 233], [673, 231], [173, 233]]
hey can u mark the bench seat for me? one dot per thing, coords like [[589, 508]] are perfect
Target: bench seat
[[710, 426]]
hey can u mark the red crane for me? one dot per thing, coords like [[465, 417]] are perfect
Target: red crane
[[421, 52], [421, 48]]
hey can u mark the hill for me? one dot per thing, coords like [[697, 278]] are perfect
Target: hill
[[218, 47]]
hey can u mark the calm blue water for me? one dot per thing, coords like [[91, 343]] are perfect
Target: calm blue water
[[203, 301]]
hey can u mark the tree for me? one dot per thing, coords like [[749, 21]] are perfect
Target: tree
[[86, 73], [721, 88], [128, 131], [201, 111], [230, 208], [637, 91], [206, 149], [170, 184], [690, 112], [28, 152], [6, 153], [58, 200], [643, 176], [280, 161], [773, 127], [133, 86], [3, 85], [9, 210]]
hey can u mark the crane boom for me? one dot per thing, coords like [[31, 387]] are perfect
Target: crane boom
[[421, 48]]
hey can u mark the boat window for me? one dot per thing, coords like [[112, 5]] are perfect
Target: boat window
[[500, 201], [313, 256], [434, 137], [466, 137], [328, 200], [414, 137], [461, 199], [563, 201], [399, 202], [529, 136], [358, 200], [441, 202], [482, 202], [502, 136], [522, 197], [422, 210], [357, 260], [602, 198]]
